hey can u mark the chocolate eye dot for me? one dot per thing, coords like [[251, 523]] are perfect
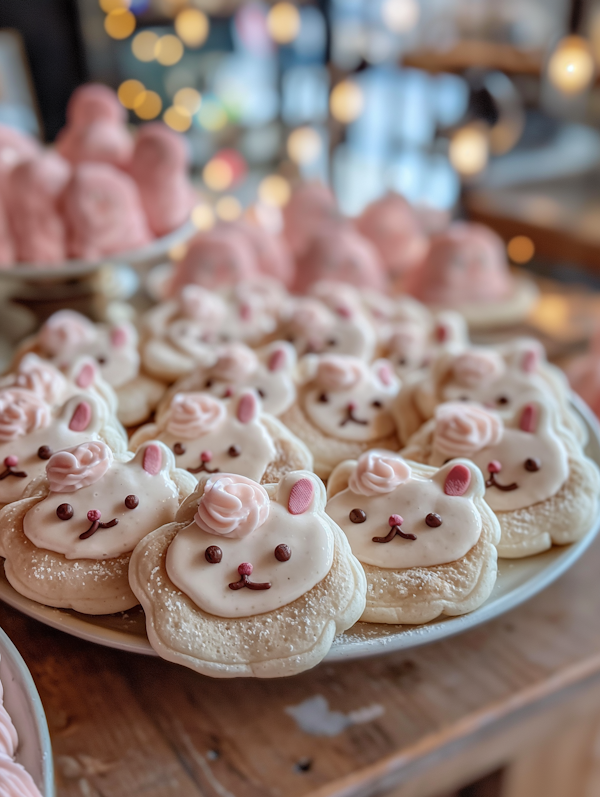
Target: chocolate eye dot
[[357, 515], [323, 398], [502, 400], [402, 361], [101, 360], [433, 520], [213, 554], [234, 451], [44, 452], [377, 404], [261, 393], [179, 449], [132, 501], [208, 383], [64, 512], [283, 552], [532, 465], [332, 342], [463, 398]]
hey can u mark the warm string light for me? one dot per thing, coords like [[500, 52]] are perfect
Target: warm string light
[[346, 101], [520, 249], [571, 65], [129, 91], [203, 217], [178, 118], [274, 191], [400, 16], [168, 50], [120, 23], [143, 45], [283, 22], [147, 105], [228, 208], [469, 150], [304, 145], [192, 27], [114, 5], [218, 174]]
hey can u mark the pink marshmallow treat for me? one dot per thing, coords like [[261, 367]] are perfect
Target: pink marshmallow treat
[[271, 251], [584, 374], [16, 147], [312, 208]]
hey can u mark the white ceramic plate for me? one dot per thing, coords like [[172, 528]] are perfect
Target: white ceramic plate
[[154, 252], [25, 708], [518, 580]]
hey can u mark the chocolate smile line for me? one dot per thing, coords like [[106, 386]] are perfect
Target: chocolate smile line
[[202, 469], [245, 582], [350, 417], [491, 482], [395, 530], [98, 525], [20, 474]]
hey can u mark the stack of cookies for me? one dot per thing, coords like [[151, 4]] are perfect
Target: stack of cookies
[[261, 470]]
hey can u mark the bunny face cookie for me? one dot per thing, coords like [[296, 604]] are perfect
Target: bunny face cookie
[[219, 587], [425, 537], [343, 408], [30, 434], [538, 481], [69, 544]]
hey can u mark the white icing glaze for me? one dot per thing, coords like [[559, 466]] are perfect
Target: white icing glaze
[[256, 448], [56, 436], [354, 406], [412, 500], [191, 338], [158, 502], [307, 534], [15, 781]]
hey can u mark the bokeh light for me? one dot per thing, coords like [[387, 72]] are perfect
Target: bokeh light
[[212, 116], [178, 252], [129, 91], [469, 150], [203, 217], [346, 101], [304, 145], [143, 45], [218, 174], [177, 118], [112, 5], [400, 16], [147, 105], [192, 26], [228, 208], [119, 24], [188, 98], [520, 249], [283, 22], [571, 66], [274, 190], [168, 50]]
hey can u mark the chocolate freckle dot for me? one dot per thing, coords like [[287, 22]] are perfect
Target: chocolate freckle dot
[[283, 552], [433, 520], [358, 516], [234, 451], [213, 554], [132, 501], [64, 512], [179, 449], [532, 465], [44, 452]]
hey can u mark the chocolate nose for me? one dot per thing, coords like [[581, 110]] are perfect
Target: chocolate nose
[[351, 406], [395, 520], [494, 466], [228, 392], [205, 456]]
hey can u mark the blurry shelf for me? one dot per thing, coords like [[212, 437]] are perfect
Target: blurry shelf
[[482, 54]]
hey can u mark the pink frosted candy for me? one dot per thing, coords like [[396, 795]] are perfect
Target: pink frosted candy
[[201, 305], [78, 467], [103, 212], [101, 141], [160, 168], [7, 245], [36, 224], [15, 781], [21, 413], [312, 208], [338, 373], [215, 259], [463, 429], [394, 229], [272, 252], [465, 264], [235, 362], [65, 331], [40, 377], [92, 102], [191, 415], [378, 472], [232, 506], [584, 374], [16, 147], [340, 254]]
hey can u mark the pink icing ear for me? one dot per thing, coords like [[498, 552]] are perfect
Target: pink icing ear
[[530, 361], [245, 312], [301, 496], [152, 461], [458, 480], [529, 417], [277, 360], [384, 372], [343, 311], [86, 376], [118, 337], [81, 418], [442, 333], [247, 408]]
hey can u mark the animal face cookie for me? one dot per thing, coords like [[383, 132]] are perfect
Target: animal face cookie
[[244, 554], [397, 520], [208, 435], [350, 400], [29, 435], [98, 507]]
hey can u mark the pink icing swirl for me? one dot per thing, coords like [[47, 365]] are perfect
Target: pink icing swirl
[[77, 467], [235, 362], [41, 377], [232, 506], [8, 733], [338, 373], [310, 317], [201, 305], [65, 331], [378, 472], [15, 781], [191, 415], [462, 429], [474, 367], [21, 412]]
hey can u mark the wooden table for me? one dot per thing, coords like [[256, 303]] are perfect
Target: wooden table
[[411, 724]]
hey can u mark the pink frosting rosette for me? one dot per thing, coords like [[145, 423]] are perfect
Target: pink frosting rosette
[[310, 317], [65, 331], [199, 304], [232, 506], [462, 429], [41, 377], [15, 781], [235, 362], [474, 367], [378, 472], [338, 373], [191, 415], [21, 412], [77, 467]]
